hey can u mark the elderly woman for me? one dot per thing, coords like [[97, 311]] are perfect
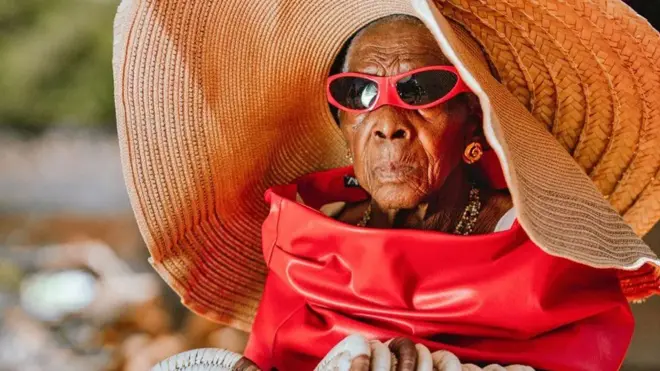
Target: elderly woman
[[418, 244], [412, 149]]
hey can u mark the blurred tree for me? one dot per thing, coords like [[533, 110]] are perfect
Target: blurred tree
[[55, 63]]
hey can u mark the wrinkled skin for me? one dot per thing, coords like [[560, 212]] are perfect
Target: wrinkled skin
[[402, 156], [403, 349], [410, 161]]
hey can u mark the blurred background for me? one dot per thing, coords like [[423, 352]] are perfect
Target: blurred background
[[76, 292]]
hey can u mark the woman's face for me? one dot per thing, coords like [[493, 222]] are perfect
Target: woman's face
[[402, 156]]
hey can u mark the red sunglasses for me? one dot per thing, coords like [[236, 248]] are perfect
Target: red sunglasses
[[417, 89]]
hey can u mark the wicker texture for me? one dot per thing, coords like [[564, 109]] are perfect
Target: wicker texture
[[206, 359], [208, 103]]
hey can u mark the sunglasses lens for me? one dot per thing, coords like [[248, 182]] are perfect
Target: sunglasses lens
[[426, 87], [354, 92]]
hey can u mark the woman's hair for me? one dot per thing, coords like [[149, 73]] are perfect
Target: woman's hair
[[339, 65]]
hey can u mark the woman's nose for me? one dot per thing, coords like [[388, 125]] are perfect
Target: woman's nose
[[391, 127]]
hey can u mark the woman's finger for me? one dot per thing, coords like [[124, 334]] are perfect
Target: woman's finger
[[352, 348], [245, 364], [470, 367], [381, 358], [405, 352], [445, 361], [494, 368], [360, 363], [424, 360], [518, 368]]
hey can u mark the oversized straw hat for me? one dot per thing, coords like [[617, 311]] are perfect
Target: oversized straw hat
[[218, 100]]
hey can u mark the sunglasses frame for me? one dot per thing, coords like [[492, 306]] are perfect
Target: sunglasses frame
[[387, 92]]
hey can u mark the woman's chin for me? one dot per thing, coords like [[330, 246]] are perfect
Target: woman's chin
[[397, 196]]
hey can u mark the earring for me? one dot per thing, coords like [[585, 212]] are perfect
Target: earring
[[349, 156], [473, 153]]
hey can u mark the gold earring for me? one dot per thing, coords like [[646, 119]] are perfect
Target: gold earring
[[349, 156], [473, 153]]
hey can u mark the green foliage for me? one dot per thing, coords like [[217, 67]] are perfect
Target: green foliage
[[55, 63]]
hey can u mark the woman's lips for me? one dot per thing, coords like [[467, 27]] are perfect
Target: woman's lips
[[393, 172]]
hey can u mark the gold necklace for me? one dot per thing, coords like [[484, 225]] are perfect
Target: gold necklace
[[365, 217], [465, 224]]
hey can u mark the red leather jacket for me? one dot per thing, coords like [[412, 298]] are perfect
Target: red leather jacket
[[494, 298]]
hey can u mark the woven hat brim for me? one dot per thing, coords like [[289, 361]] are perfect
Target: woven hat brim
[[589, 71], [557, 203], [208, 118]]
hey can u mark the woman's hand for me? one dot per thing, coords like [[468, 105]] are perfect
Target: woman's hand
[[355, 353]]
